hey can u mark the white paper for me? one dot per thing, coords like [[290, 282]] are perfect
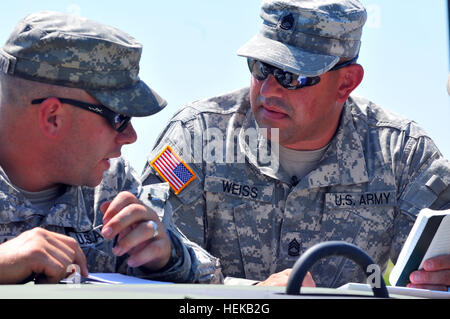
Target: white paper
[[115, 279], [439, 246]]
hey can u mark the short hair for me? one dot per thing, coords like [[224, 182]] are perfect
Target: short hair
[[19, 92]]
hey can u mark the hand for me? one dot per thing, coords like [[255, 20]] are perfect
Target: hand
[[280, 279], [39, 251], [129, 218], [434, 276]]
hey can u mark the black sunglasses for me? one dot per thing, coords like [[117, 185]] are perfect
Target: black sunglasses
[[118, 122], [291, 81]]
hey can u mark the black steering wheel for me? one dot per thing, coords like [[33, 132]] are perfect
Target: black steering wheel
[[326, 249]]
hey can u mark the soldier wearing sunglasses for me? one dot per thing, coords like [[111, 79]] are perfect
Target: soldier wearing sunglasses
[[339, 167], [69, 88]]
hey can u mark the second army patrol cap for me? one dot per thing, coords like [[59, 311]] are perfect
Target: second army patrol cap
[[307, 37], [72, 51]]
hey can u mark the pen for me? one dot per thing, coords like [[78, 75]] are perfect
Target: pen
[[115, 238], [97, 227]]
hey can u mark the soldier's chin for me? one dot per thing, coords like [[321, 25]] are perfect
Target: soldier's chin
[[271, 133], [95, 179], [92, 182]]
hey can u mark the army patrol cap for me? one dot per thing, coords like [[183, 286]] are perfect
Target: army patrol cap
[[72, 51], [307, 37]]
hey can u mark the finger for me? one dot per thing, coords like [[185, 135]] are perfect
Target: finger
[[72, 251], [437, 263], [151, 254], [286, 272], [117, 250], [112, 208], [141, 233], [125, 232], [104, 207], [430, 277], [278, 279], [137, 260], [53, 277], [429, 287], [64, 255], [129, 215], [308, 281], [137, 249], [80, 260], [64, 248], [51, 267]]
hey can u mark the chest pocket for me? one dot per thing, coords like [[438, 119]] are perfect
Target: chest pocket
[[364, 219], [240, 219]]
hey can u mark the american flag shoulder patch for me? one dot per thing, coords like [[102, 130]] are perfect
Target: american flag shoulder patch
[[173, 170]]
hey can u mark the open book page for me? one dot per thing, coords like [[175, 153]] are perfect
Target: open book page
[[440, 243], [419, 241], [408, 247]]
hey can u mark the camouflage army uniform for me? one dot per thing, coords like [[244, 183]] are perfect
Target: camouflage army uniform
[[377, 173], [77, 211]]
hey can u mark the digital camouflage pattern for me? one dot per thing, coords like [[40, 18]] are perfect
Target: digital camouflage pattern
[[77, 212], [378, 172], [307, 37], [72, 51]]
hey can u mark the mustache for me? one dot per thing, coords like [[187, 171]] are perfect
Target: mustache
[[274, 102]]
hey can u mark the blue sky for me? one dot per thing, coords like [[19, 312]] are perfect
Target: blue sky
[[190, 53]]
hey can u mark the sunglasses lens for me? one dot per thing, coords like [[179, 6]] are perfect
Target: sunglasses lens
[[121, 122], [284, 78], [288, 80], [258, 69]]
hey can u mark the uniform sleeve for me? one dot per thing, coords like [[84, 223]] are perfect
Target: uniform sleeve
[[194, 264], [425, 180], [190, 262], [189, 205]]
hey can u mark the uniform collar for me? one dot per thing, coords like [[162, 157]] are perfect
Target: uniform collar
[[259, 151], [342, 164], [70, 210]]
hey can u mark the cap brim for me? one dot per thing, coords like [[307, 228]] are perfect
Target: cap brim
[[136, 101], [287, 57]]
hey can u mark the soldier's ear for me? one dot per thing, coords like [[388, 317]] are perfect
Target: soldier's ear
[[50, 115], [350, 77]]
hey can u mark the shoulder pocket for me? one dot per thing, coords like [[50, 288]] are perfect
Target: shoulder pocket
[[173, 164], [429, 189]]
